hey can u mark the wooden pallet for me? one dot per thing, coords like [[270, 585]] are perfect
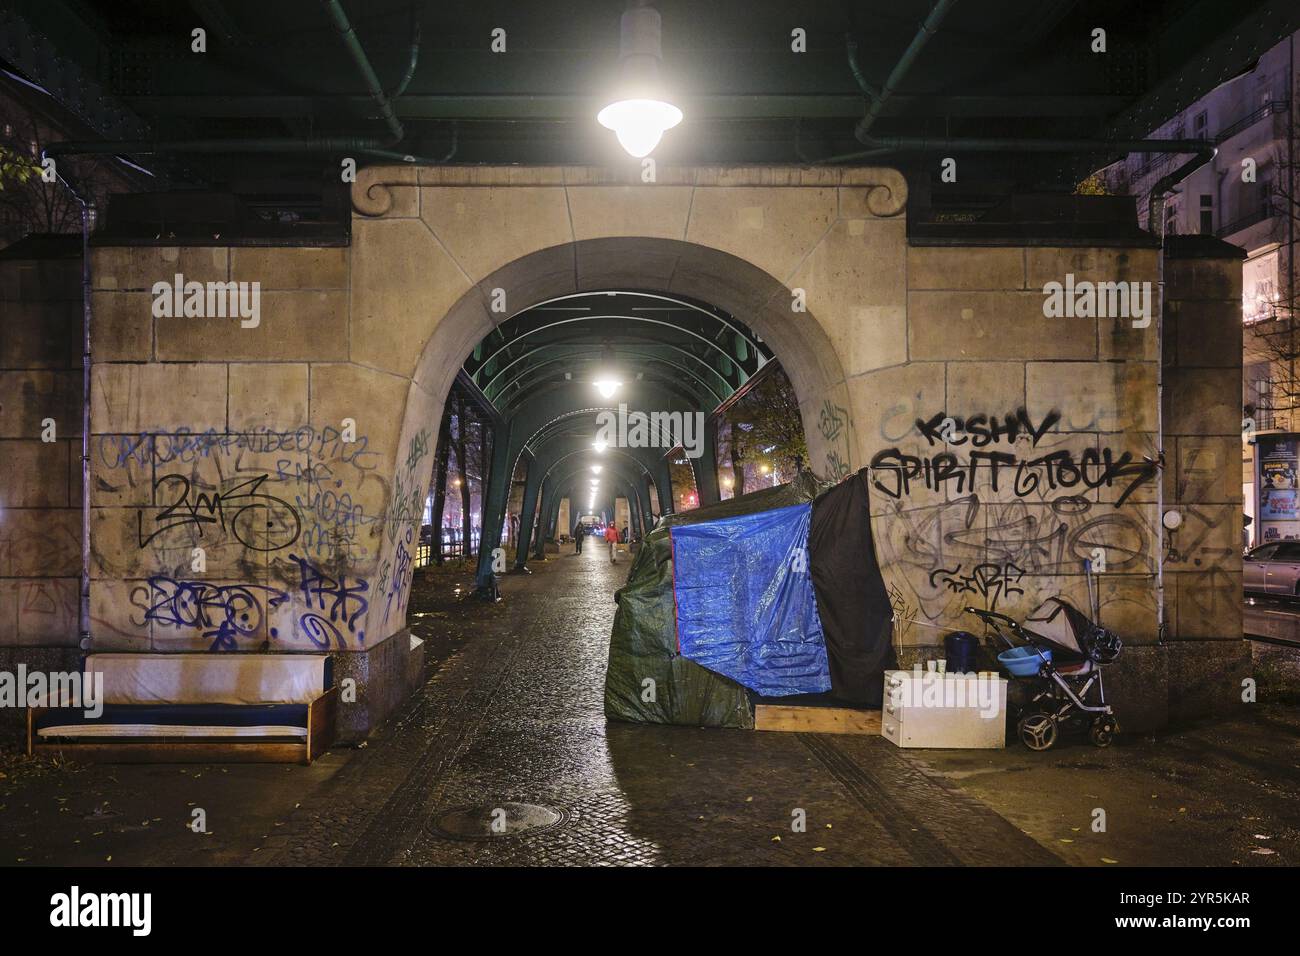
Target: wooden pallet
[[816, 720]]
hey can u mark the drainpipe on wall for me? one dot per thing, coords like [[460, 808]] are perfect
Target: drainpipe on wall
[[83, 608], [87, 213], [1155, 222], [84, 604]]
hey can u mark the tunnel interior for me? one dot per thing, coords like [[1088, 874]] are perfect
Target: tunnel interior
[[601, 397]]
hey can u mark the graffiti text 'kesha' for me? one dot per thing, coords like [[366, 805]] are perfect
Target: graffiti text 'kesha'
[[1100, 300], [212, 300]]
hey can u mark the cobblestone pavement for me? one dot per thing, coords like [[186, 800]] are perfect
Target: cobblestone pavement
[[514, 714]]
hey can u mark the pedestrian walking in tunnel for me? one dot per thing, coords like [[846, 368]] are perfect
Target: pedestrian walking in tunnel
[[579, 532], [611, 535]]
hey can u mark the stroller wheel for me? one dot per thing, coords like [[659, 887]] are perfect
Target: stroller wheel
[[1037, 730], [1102, 731]]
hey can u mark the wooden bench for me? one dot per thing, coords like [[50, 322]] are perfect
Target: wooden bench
[[196, 708]]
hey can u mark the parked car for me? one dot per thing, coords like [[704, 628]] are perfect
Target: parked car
[[1273, 568]]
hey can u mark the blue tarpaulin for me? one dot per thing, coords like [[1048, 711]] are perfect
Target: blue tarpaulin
[[745, 602]]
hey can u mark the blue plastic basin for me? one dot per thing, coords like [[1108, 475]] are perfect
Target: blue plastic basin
[[1023, 661]]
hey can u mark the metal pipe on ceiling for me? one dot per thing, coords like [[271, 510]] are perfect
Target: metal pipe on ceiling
[[851, 52], [285, 144], [271, 144], [349, 37], [413, 60], [978, 144], [889, 145], [927, 29]]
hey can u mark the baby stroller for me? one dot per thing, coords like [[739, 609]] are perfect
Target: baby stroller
[[1063, 651]]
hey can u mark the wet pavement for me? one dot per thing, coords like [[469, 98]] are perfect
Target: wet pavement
[[509, 728], [515, 715]]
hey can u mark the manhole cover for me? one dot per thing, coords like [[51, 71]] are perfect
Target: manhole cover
[[498, 821]]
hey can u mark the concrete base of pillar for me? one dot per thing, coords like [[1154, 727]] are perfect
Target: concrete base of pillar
[[386, 674], [1152, 687]]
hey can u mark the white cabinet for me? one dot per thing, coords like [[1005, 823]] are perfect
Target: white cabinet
[[925, 709]]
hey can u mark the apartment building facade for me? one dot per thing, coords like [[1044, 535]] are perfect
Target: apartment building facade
[[1247, 196]]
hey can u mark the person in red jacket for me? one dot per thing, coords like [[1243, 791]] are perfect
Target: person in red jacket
[[611, 535]]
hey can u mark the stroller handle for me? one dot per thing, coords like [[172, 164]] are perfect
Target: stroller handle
[[993, 617]]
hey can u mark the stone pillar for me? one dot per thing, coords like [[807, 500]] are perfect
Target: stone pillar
[[1205, 656], [622, 509], [40, 481]]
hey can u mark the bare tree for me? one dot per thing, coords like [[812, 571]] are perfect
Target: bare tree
[[764, 425], [29, 203]]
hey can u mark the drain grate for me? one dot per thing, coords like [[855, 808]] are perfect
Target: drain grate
[[501, 821]]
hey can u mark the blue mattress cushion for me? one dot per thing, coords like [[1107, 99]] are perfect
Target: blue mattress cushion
[[188, 715]]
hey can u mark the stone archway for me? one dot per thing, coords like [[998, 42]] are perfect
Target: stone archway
[[879, 337], [813, 264]]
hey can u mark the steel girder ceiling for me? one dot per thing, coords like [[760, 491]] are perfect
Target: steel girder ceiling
[[995, 68], [643, 339]]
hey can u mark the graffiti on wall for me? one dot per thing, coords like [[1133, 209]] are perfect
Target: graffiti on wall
[[250, 491], [405, 511], [226, 614], [289, 525], [898, 475], [833, 423], [1014, 517]]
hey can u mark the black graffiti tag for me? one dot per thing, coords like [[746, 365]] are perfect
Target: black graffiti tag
[[990, 581], [982, 430], [259, 522], [895, 473]]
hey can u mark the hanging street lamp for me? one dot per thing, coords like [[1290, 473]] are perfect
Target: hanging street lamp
[[639, 112]]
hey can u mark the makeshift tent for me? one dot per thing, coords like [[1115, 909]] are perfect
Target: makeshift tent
[[772, 594]]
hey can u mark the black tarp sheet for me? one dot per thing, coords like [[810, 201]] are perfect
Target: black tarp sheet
[[851, 596]]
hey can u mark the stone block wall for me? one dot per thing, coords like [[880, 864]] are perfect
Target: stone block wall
[[1012, 446], [261, 488], [40, 480], [1207, 659]]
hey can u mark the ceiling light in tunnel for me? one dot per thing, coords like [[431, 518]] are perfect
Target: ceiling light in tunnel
[[640, 112], [607, 386], [599, 446], [595, 469]]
